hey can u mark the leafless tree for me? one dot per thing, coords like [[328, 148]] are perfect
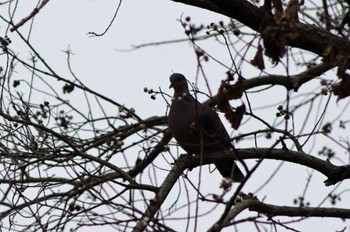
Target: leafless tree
[[64, 166]]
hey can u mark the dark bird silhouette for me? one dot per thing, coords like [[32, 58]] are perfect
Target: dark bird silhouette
[[197, 128]]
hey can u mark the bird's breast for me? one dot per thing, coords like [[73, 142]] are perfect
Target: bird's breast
[[188, 133]]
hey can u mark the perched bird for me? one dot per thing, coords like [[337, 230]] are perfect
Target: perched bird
[[197, 128]]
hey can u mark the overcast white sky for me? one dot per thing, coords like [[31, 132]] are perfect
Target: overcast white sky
[[123, 75]]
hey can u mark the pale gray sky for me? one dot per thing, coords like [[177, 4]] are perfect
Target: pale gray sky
[[123, 75]]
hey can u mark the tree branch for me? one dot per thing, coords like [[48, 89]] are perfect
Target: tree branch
[[334, 173], [155, 204], [273, 210], [308, 37], [32, 14], [294, 82]]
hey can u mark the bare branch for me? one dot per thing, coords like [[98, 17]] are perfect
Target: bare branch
[[273, 211], [32, 14], [309, 37], [334, 173], [173, 176]]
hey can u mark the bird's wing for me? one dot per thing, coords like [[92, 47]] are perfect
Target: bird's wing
[[212, 124]]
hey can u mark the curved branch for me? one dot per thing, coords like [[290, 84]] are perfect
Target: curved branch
[[293, 82], [273, 210], [152, 155], [309, 37], [146, 161], [29, 17], [242, 10], [124, 132], [173, 176], [334, 173]]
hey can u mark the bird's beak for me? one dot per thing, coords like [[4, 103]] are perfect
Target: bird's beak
[[170, 86]]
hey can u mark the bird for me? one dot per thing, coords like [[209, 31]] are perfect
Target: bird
[[198, 129]]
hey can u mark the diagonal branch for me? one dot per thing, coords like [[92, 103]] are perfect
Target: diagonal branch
[[309, 37], [32, 14], [293, 82], [273, 210], [333, 172], [180, 165]]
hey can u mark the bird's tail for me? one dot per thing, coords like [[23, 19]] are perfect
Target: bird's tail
[[230, 170]]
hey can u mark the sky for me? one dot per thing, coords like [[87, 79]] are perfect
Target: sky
[[101, 65]]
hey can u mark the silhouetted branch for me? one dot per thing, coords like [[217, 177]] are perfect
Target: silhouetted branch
[[32, 14], [334, 173], [168, 183], [271, 211]]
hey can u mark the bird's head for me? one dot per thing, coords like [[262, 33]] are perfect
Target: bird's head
[[179, 83]]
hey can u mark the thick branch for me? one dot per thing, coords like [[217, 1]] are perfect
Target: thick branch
[[273, 210], [242, 10], [152, 155], [294, 82], [309, 37], [161, 195], [334, 173]]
